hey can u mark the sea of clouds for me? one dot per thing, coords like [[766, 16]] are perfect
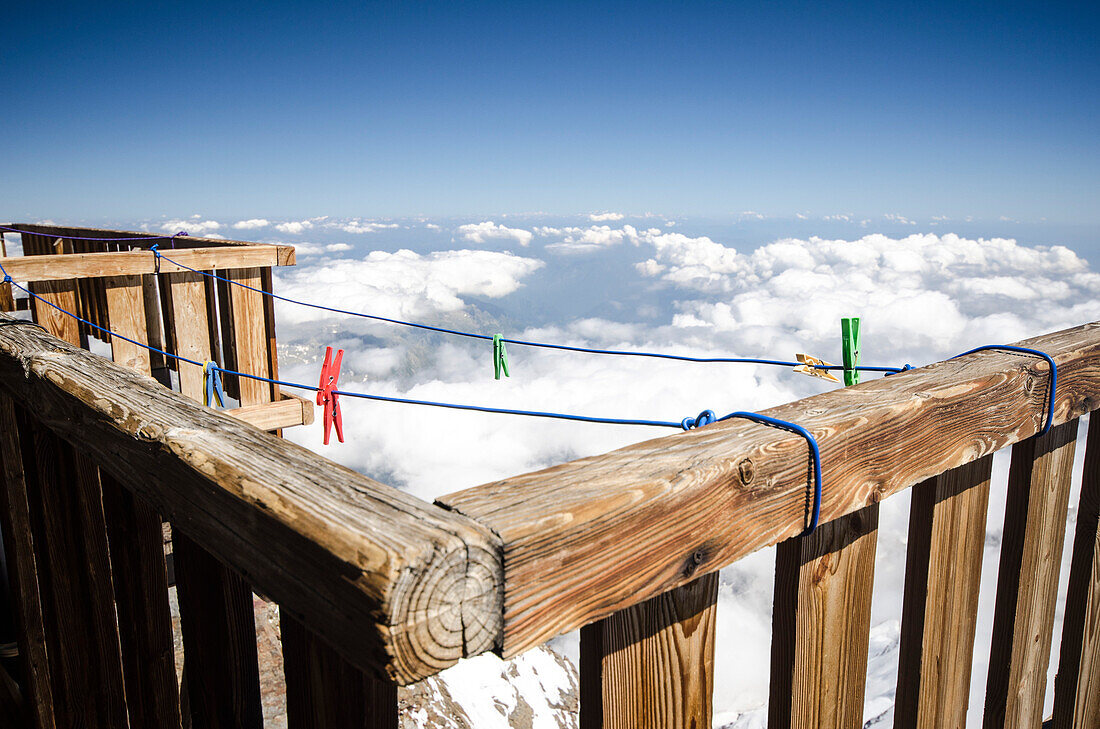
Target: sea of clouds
[[645, 282]]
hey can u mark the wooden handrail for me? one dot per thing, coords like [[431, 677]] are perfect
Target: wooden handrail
[[182, 242], [585, 539], [90, 265], [401, 588]]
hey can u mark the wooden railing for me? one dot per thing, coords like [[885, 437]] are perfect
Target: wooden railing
[[378, 589]]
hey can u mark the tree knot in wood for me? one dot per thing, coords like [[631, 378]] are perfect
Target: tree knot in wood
[[746, 470]]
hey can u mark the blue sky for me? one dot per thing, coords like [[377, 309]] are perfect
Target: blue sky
[[404, 108]]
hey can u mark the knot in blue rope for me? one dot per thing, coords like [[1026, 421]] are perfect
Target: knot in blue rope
[[7, 278], [704, 418]]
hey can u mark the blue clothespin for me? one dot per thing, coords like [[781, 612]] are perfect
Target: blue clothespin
[[213, 380], [500, 357]]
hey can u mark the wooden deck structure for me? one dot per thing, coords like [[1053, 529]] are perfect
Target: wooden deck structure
[[379, 589]]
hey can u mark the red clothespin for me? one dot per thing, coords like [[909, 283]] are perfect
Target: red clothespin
[[327, 397]]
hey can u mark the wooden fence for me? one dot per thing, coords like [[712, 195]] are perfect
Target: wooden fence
[[378, 589]]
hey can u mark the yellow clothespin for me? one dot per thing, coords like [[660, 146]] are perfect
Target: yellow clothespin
[[812, 366]]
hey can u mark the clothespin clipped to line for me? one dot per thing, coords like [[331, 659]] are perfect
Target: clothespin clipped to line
[[212, 380], [813, 366], [326, 395], [849, 340], [500, 357]]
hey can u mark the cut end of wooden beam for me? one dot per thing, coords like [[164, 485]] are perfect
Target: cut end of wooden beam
[[287, 412]]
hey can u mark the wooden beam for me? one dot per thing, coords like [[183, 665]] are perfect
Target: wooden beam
[[585, 539], [250, 336], [821, 624], [402, 589], [288, 412], [285, 252], [651, 666], [136, 263], [1077, 684], [324, 692], [939, 616], [1027, 582]]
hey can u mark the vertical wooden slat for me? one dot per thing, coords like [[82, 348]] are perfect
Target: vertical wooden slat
[[269, 330], [250, 335], [137, 550], [78, 597], [939, 616], [61, 294], [821, 624], [323, 691], [15, 522], [219, 631], [1027, 586], [229, 348], [221, 670], [154, 328], [7, 300], [652, 665], [1077, 685]]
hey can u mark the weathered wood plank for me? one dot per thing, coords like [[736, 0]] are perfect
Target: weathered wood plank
[[285, 253], [221, 673], [400, 588], [286, 413], [135, 263], [15, 523], [75, 582], [137, 550], [192, 340], [652, 665], [821, 624], [587, 538], [324, 692], [940, 611], [61, 294], [1027, 583], [1077, 685], [250, 336]]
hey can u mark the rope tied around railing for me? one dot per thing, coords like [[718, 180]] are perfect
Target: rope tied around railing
[[1038, 353]]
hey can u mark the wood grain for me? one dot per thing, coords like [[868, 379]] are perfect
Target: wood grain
[[821, 624], [135, 263], [126, 316], [651, 666], [939, 615], [1077, 684], [324, 692], [15, 523], [192, 338], [1027, 586], [286, 413], [400, 588], [587, 538], [250, 336], [285, 253]]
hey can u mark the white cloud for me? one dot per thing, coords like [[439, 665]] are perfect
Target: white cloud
[[294, 227], [356, 226], [484, 232], [900, 219], [401, 285], [251, 224], [194, 226], [600, 217]]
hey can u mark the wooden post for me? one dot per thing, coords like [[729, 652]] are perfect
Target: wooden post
[[942, 574], [651, 666], [137, 548], [821, 624], [15, 523], [1077, 684], [1027, 587], [323, 691], [250, 335]]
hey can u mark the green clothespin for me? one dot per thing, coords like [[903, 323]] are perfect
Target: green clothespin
[[849, 333], [500, 357]]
